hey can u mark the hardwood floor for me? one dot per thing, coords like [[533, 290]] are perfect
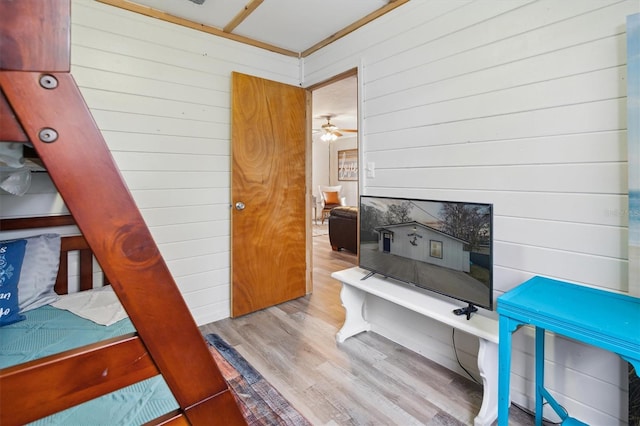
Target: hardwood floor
[[367, 380]]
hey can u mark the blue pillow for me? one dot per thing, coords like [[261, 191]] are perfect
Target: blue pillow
[[11, 256]]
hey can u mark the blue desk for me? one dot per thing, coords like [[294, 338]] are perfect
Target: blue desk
[[600, 318]]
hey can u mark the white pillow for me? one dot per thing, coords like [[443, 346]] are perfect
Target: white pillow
[[39, 271], [100, 305]]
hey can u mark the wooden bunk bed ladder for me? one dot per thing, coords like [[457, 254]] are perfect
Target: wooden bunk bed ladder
[[40, 102]]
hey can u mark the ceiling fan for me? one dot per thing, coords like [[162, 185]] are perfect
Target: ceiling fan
[[330, 132]]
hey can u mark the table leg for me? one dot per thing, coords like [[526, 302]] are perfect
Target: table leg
[[635, 362], [539, 373], [354, 322], [506, 327], [488, 367]]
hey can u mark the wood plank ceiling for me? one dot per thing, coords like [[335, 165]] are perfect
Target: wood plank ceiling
[[290, 27]]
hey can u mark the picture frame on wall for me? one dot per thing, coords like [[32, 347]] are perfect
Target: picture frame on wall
[[348, 164]]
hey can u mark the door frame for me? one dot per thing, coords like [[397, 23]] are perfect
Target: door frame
[[355, 71]]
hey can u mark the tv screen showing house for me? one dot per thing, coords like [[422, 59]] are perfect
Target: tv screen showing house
[[442, 246]]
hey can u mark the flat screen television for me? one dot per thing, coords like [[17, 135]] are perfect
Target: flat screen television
[[441, 246]]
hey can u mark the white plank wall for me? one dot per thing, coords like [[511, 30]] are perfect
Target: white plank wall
[[521, 104], [161, 95]]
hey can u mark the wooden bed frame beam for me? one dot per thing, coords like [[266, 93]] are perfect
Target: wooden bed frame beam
[[39, 35], [56, 382], [79, 244], [10, 130], [11, 224], [175, 418]]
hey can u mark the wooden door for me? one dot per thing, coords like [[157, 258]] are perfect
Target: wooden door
[[268, 193]]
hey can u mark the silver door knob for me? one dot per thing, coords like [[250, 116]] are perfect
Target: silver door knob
[[240, 205]]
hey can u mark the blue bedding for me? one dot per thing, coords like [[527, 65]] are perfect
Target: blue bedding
[[48, 330]]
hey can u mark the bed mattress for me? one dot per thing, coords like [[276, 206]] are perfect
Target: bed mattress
[[48, 330]]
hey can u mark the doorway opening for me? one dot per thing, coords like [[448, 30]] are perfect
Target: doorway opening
[[335, 146]]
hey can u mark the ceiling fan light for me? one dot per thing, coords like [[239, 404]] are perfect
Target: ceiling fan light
[[329, 137]]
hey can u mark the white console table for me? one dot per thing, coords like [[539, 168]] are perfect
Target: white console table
[[483, 324]]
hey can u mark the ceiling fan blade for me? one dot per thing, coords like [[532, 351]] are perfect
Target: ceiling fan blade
[[337, 133], [349, 130]]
